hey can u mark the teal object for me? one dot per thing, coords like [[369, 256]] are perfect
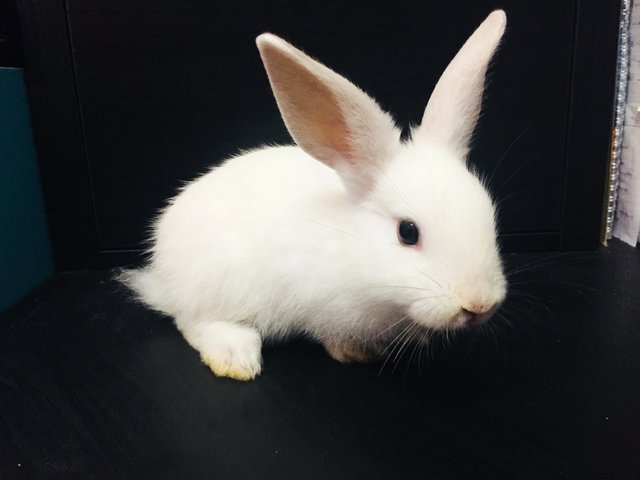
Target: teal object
[[25, 251]]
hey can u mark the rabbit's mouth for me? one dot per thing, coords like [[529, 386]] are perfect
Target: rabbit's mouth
[[472, 318]]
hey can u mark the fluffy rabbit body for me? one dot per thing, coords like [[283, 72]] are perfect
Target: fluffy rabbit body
[[353, 237]]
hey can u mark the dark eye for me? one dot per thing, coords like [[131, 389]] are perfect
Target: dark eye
[[408, 232]]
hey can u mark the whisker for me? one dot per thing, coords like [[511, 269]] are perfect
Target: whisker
[[407, 340], [511, 145], [407, 287], [550, 258], [403, 341], [391, 326], [425, 339], [400, 194], [510, 177], [531, 299], [413, 352], [397, 341], [337, 230], [428, 298], [397, 338], [501, 201], [557, 281], [504, 318], [427, 276]]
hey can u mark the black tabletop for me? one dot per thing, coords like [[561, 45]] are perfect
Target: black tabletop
[[95, 386]]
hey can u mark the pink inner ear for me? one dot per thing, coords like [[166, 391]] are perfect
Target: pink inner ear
[[336, 136], [309, 108], [329, 118]]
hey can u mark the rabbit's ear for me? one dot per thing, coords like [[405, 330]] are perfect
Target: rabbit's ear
[[329, 118], [452, 112]]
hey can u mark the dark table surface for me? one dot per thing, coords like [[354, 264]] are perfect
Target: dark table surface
[[95, 386]]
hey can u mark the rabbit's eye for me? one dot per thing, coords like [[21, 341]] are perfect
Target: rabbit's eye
[[408, 232]]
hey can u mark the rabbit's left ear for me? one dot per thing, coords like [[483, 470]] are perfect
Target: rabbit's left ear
[[453, 109], [328, 117]]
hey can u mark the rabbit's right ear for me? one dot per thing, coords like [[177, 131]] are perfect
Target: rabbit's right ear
[[453, 109], [328, 117]]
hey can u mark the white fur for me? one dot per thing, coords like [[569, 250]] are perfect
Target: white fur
[[274, 243]]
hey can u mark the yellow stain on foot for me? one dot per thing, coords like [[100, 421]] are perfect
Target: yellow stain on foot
[[224, 369]]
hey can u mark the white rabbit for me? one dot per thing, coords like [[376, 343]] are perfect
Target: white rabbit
[[352, 238]]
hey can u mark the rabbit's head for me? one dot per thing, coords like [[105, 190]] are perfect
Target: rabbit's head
[[428, 221]]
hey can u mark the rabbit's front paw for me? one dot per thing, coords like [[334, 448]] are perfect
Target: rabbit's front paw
[[237, 363]]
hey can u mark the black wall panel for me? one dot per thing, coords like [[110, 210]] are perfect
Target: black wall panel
[[10, 38], [154, 93]]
